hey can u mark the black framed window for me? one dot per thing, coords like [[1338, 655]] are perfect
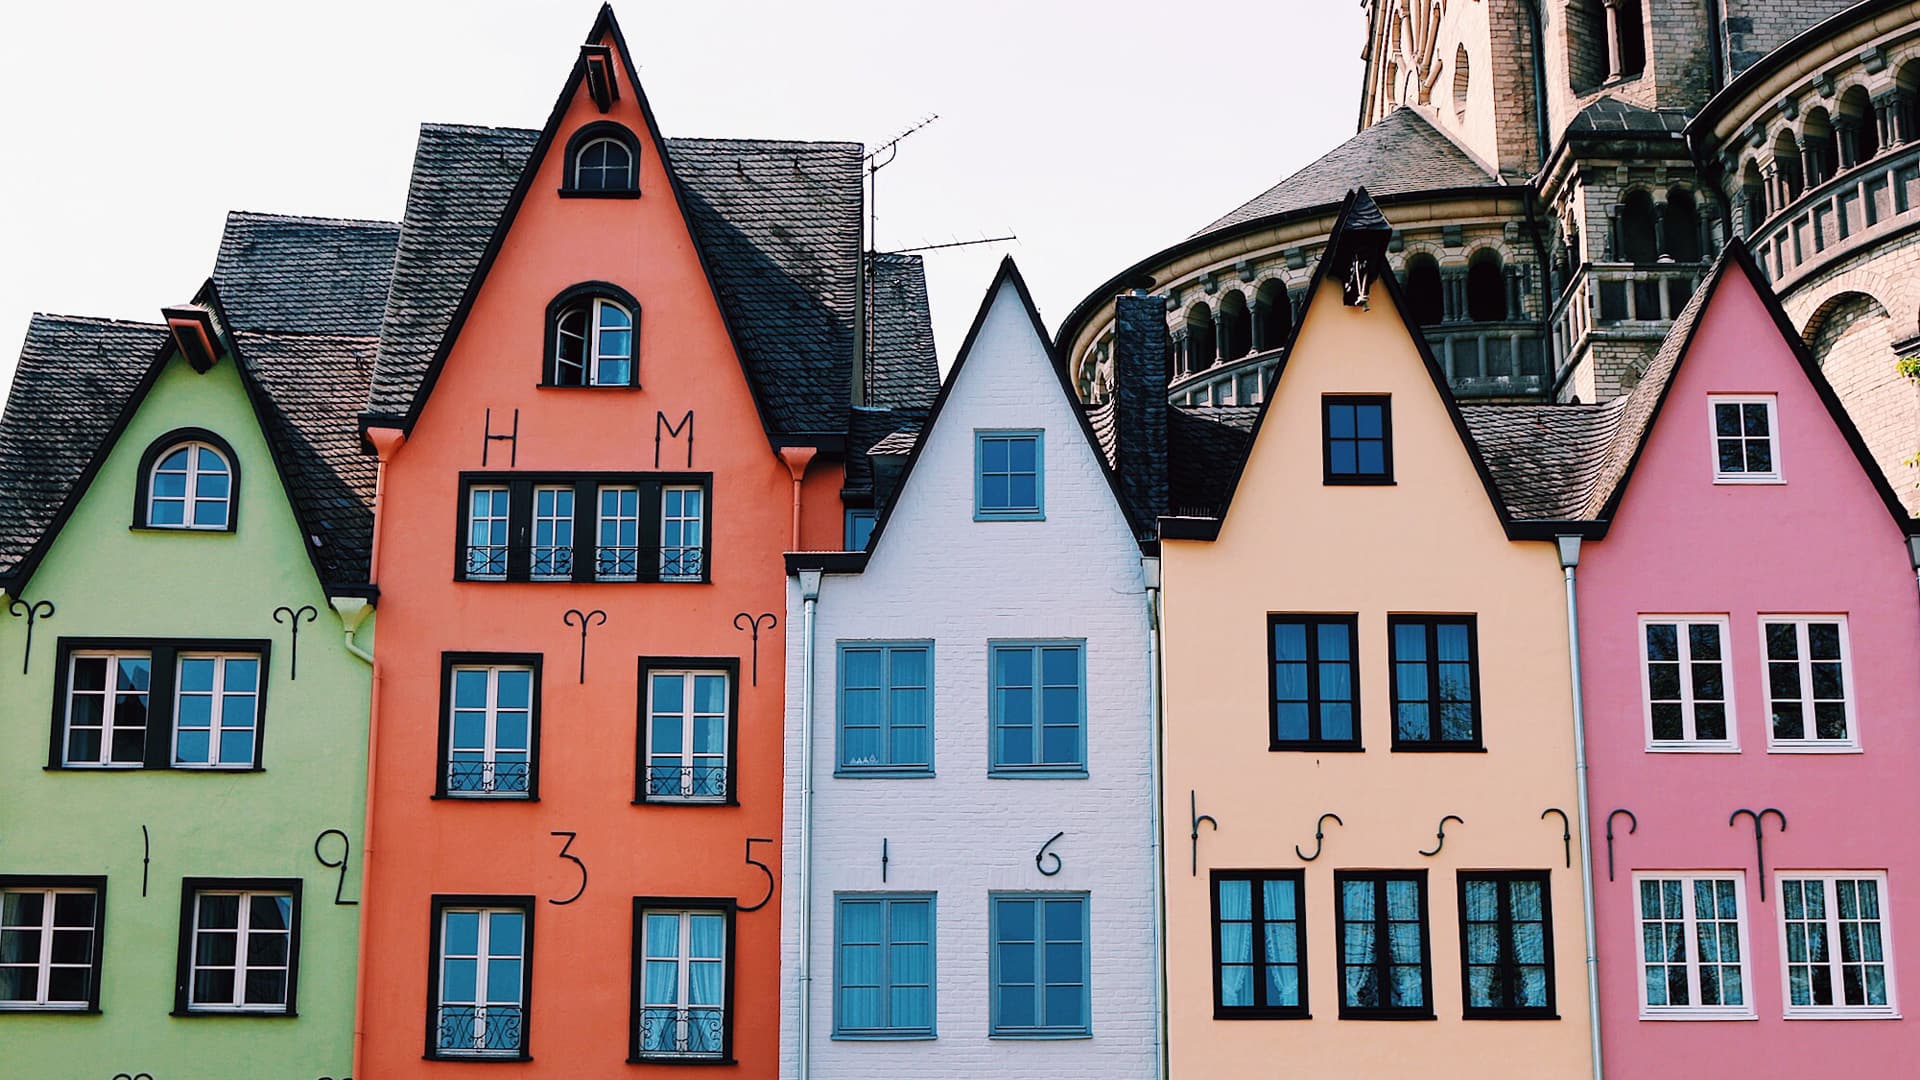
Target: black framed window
[[1436, 682], [159, 703], [682, 1004], [593, 337], [1506, 945], [1259, 945], [489, 726], [189, 480], [1386, 961], [582, 527], [689, 730], [1313, 676], [480, 978], [1357, 438], [603, 162], [239, 947], [52, 938]]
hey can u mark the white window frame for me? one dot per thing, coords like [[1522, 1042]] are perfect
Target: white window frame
[[107, 727], [1790, 1011], [686, 758], [616, 519], [505, 522], [44, 966], [677, 554], [490, 741], [1848, 745], [243, 937], [684, 959], [191, 497], [593, 324], [1691, 923], [1771, 401], [1692, 744], [483, 943], [557, 522], [626, 174], [217, 719]]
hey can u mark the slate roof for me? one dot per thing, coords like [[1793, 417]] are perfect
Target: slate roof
[[903, 367], [1609, 115], [1402, 153], [1204, 447], [74, 380], [878, 432], [278, 272], [1545, 459]]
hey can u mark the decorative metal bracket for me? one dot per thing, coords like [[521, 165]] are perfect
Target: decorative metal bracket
[[346, 851], [1193, 804], [673, 432], [306, 611], [512, 439], [596, 617], [146, 858], [566, 853], [1044, 853], [1566, 831], [752, 625], [883, 860], [1319, 836], [765, 869], [1440, 834], [1759, 838], [1633, 826], [39, 609]]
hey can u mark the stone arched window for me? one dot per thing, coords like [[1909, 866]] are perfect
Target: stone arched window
[[1788, 180], [1234, 324], [1200, 346], [1906, 108], [1272, 316], [1681, 227], [1486, 287], [1819, 150], [1857, 130], [1630, 39], [1634, 239], [1753, 195], [1425, 297], [1587, 57], [1462, 81]]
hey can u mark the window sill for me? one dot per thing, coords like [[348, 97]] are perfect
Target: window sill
[[729, 801], [479, 1058], [1037, 774], [235, 769], [251, 1014], [844, 773], [1496, 1014], [669, 1059], [1697, 1015], [1841, 1013], [884, 1036], [1254, 1012], [1747, 481], [618, 193], [1690, 748], [201, 530], [610, 387], [51, 1010], [1346, 1014], [1438, 748], [1357, 481], [177, 767], [1012, 515], [1814, 748], [443, 796], [1314, 748], [1039, 1036]]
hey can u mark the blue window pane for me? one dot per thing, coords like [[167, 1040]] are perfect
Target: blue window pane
[[1345, 458], [1289, 641], [236, 747], [1336, 722], [1340, 421], [993, 455], [1367, 423], [193, 746], [1410, 642], [1372, 458], [1065, 1006], [1021, 455], [1333, 640], [462, 936], [1290, 721], [1016, 1006]]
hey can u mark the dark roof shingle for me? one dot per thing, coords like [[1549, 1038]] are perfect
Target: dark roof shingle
[[1544, 458], [902, 366], [279, 273]]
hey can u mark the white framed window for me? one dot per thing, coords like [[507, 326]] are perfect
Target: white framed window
[[552, 533], [216, 711], [1693, 946], [487, 519], [593, 344], [1684, 683], [106, 709], [683, 993], [682, 532], [191, 487], [617, 556], [481, 980], [50, 943], [687, 720], [603, 165], [242, 948], [1834, 944], [1809, 683], [490, 730], [1746, 438]]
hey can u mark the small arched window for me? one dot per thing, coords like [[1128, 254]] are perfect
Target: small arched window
[[1486, 287], [1425, 295], [591, 331], [603, 161], [188, 480]]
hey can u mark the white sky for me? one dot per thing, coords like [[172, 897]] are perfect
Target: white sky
[[1097, 131]]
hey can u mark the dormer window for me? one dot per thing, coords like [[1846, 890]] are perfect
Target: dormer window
[[590, 337], [603, 162], [188, 480]]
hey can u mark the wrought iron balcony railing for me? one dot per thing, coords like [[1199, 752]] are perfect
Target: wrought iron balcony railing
[[667, 1032], [690, 782], [487, 777], [479, 1031], [518, 562]]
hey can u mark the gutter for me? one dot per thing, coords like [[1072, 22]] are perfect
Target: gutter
[[1569, 549], [1157, 784], [810, 596]]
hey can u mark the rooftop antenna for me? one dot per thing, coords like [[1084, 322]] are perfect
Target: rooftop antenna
[[876, 159]]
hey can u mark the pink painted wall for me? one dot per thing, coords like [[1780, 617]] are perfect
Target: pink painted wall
[[1822, 542]]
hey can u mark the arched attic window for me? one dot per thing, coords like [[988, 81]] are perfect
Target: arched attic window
[[592, 330], [603, 162], [1486, 287], [189, 479], [1425, 297]]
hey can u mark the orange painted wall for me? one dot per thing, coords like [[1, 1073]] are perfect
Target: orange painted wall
[[579, 1009]]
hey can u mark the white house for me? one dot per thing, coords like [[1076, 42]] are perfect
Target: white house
[[976, 868]]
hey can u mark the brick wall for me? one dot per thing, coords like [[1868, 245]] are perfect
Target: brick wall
[[1756, 27], [1852, 336]]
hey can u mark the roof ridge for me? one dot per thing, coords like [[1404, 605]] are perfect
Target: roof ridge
[[762, 141], [95, 320], [312, 219], [447, 125]]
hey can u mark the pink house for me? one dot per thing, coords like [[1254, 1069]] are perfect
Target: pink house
[[1749, 631]]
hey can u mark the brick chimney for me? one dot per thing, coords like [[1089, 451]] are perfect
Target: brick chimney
[[1140, 403]]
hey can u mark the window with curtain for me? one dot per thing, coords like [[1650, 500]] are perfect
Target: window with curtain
[[1808, 679], [1836, 936], [1386, 970], [481, 977], [883, 985], [1506, 945], [886, 708], [1316, 703], [1693, 946], [1436, 682], [1259, 945], [240, 945], [1039, 966], [1688, 706], [1038, 708], [683, 985], [688, 714], [51, 929], [164, 703]]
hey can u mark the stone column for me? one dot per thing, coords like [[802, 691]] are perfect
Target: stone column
[[1660, 232], [1613, 233], [1886, 115], [1183, 360], [1846, 134], [1453, 292], [1613, 37]]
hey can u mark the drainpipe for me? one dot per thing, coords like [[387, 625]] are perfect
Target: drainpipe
[[797, 459], [810, 596], [1151, 566], [1569, 547]]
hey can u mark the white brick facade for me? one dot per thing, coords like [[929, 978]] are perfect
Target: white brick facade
[[938, 574]]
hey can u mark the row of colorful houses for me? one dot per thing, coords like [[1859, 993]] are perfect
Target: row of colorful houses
[[745, 695]]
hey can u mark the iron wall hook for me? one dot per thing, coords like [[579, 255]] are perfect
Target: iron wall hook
[[146, 858], [883, 860], [1566, 831], [1044, 853], [1440, 834], [753, 625], [346, 851], [1759, 838], [1633, 826], [1193, 804], [596, 617], [304, 611], [764, 869], [1319, 837], [39, 609]]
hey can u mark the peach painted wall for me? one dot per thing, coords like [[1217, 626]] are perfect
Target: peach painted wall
[[1430, 543], [582, 951], [1820, 543]]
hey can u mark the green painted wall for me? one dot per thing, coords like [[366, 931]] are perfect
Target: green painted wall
[[109, 580]]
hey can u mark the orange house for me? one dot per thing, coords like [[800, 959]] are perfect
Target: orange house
[[614, 385]]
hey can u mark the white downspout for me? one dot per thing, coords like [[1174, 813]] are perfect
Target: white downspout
[[1569, 547], [810, 597], [1151, 566]]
